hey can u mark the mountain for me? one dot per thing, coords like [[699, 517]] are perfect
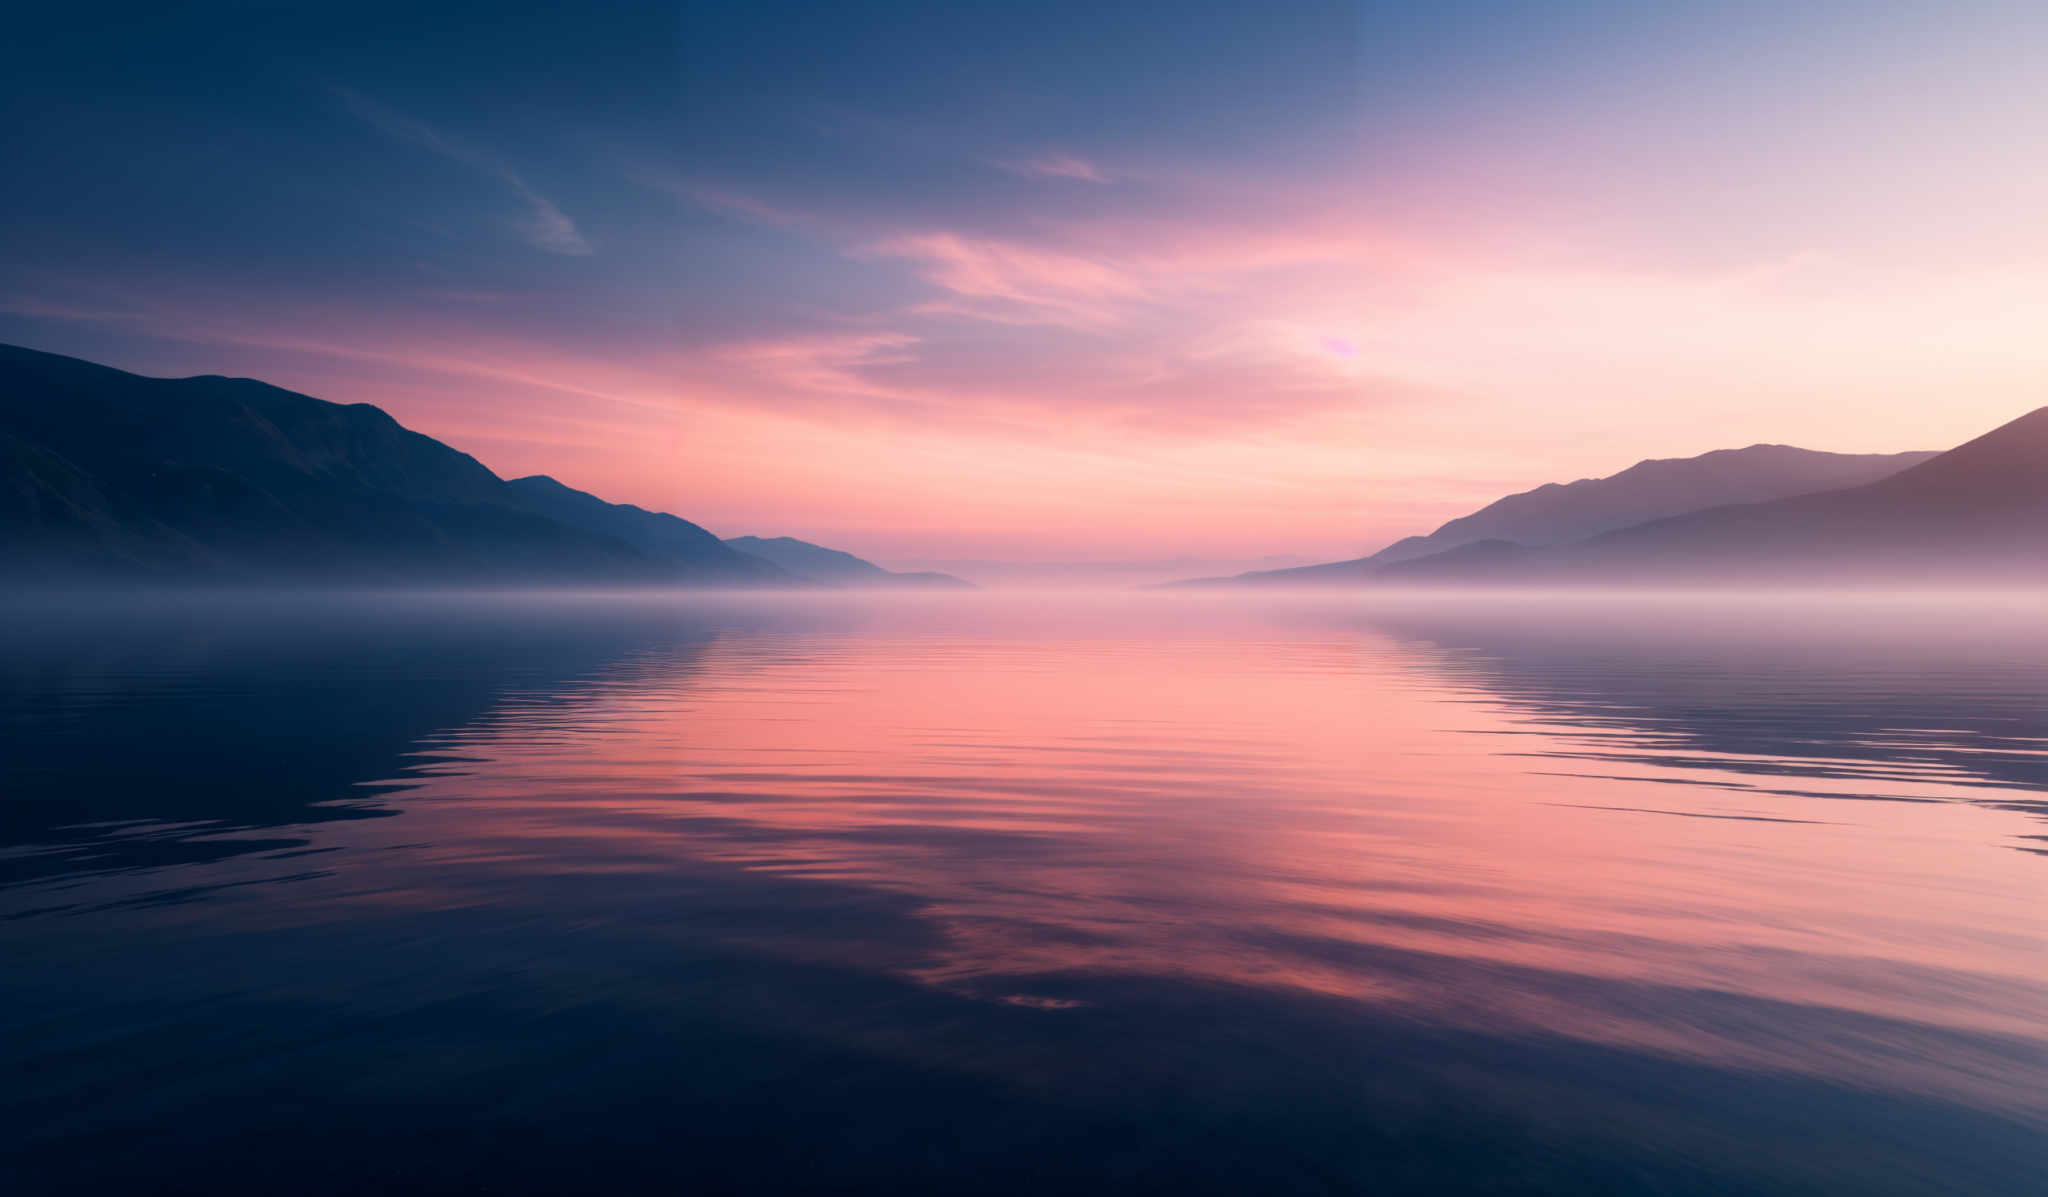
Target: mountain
[[836, 568], [1560, 513], [657, 534], [106, 474], [1556, 513], [1975, 515]]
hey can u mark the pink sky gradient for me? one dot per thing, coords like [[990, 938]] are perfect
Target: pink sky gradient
[[1127, 351]]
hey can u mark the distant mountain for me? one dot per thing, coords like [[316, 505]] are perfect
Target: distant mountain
[[1560, 513], [835, 568], [1975, 515], [659, 535], [106, 474]]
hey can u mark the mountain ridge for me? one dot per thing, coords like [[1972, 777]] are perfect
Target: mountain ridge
[[1976, 514], [836, 566], [656, 533], [1761, 471], [109, 475], [1563, 512]]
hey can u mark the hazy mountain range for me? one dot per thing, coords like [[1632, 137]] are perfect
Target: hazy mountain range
[[1102, 573], [1559, 513], [1772, 515], [110, 475], [113, 476], [831, 566]]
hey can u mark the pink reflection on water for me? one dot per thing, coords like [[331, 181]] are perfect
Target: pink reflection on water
[[1311, 805]]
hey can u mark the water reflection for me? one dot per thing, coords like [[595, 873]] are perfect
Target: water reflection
[[1925, 701], [174, 732], [1130, 894]]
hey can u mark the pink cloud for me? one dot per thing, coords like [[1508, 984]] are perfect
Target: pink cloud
[[1010, 282], [823, 365]]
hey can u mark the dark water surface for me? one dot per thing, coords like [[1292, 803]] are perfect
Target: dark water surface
[[977, 894]]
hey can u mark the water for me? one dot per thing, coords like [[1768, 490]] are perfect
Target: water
[[966, 893]]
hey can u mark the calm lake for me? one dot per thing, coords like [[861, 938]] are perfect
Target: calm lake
[[1023, 894]]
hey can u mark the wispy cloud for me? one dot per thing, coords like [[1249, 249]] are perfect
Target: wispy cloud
[[544, 226], [1055, 166], [824, 365], [1012, 283], [722, 198]]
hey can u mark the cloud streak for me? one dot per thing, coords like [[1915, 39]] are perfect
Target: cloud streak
[[544, 226], [1055, 166], [1014, 283]]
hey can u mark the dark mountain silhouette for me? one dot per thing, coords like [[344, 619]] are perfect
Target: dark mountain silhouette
[[1560, 513], [835, 568], [106, 474], [659, 535]]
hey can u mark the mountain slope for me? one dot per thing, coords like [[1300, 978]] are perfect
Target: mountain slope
[[106, 474], [1560, 513], [659, 535], [834, 567], [1975, 515]]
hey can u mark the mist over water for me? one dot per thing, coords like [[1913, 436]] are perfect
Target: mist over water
[[1218, 893]]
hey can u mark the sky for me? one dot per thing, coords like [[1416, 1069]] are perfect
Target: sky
[[1093, 282]]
